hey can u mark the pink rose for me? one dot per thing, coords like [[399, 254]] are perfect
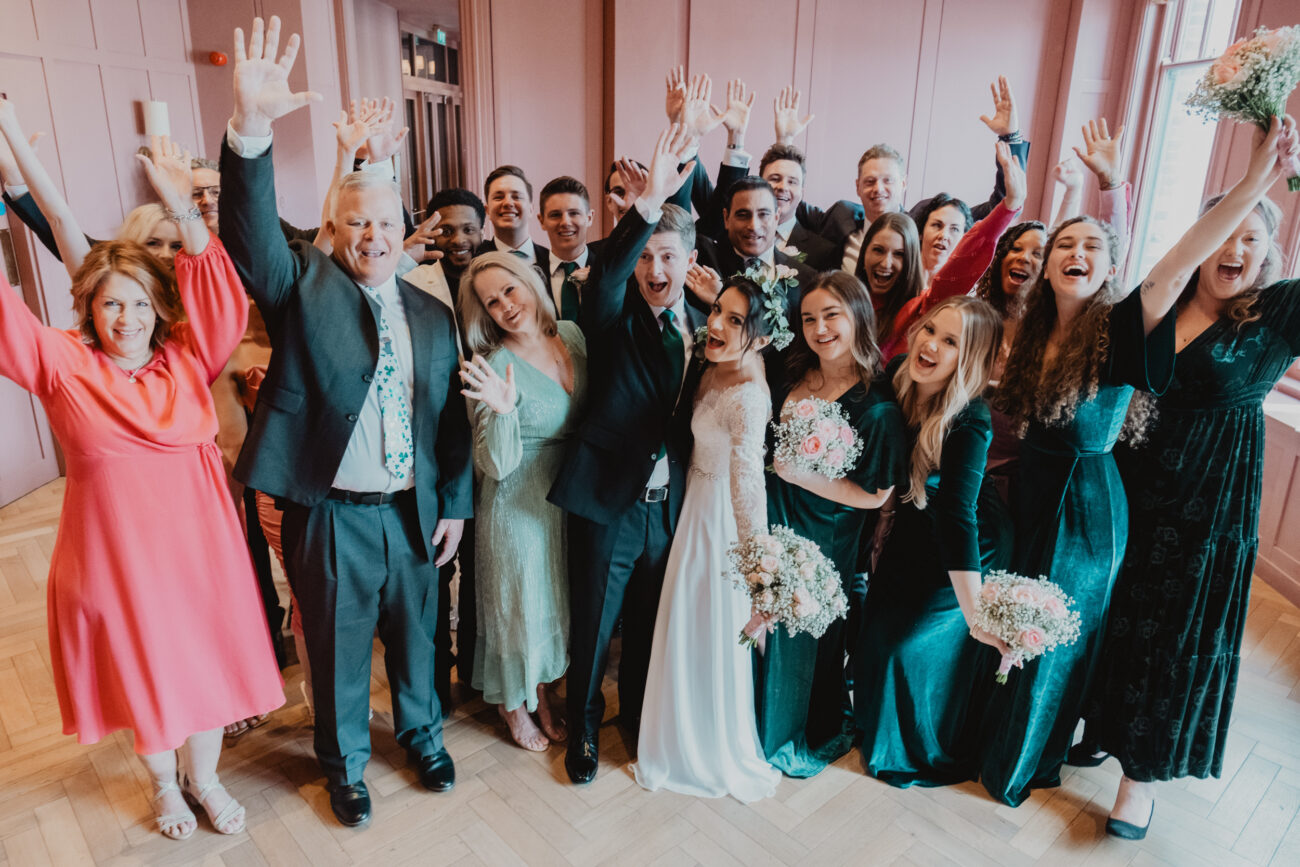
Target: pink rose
[[1025, 594], [768, 563], [807, 570], [827, 429], [1233, 48], [1031, 638], [829, 585], [765, 599], [765, 578], [811, 445], [771, 545], [1225, 69], [804, 604], [846, 435], [835, 456], [751, 578], [805, 409], [1055, 607], [989, 592]]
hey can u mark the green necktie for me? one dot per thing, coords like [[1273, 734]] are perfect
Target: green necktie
[[520, 253], [569, 293], [675, 349]]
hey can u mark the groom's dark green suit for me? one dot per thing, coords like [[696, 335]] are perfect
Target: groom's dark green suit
[[353, 567]]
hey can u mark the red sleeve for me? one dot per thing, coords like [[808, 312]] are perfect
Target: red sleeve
[[215, 304], [958, 275], [33, 355]]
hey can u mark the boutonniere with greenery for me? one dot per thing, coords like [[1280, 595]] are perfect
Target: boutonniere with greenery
[[776, 290]]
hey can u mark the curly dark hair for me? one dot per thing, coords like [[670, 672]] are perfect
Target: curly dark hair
[[1033, 390], [990, 286]]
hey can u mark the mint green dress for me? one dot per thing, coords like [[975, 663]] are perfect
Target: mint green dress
[[804, 716], [521, 571], [1071, 525]]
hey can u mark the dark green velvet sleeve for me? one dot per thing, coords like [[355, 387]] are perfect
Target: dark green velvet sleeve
[[1144, 361], [883, 462], [961, 472]]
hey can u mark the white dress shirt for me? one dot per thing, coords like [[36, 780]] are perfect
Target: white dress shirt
[[557, 276], [530, 253]]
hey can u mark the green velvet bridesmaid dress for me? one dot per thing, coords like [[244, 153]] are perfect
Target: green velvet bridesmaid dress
[[802, 699], [915, 660], [1164, 690], [1071, 519]]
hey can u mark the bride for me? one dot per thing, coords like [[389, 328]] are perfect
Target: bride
[[699, 735]]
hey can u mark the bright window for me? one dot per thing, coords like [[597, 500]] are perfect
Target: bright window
[[1195, 33]]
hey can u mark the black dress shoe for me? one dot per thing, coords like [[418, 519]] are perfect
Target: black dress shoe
[[1085, 756], [1127, 830], [582, 757], [437, 773], [350, 803]]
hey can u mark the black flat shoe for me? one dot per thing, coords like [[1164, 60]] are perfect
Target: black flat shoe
[[1084, 756], [437, 772], [582, 757], [350, 803], [1127, 830]]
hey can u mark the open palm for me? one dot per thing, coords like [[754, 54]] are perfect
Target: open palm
[[262, 91]]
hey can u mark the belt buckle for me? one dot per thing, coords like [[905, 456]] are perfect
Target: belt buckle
[[655, 495]]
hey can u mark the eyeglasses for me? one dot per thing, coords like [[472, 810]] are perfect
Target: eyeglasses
[[197, 193]]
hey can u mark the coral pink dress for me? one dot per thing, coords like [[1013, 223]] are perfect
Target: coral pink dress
[[156, 624]]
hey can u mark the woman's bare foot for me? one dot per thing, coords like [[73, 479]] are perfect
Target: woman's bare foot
[[239, 728], [1133, 802], [523, 729], [549, 717]]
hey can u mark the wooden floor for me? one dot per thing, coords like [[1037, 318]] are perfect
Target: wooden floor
[[64, 804]]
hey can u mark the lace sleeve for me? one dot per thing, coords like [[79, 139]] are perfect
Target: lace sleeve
[[746, 416]]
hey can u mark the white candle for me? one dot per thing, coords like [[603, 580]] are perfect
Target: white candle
[[155, 118]]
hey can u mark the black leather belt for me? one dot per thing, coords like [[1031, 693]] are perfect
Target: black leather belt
[[365, 498], [654, 495]]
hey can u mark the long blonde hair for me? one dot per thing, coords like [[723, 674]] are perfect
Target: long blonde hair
[[481, 331], [981, 336]]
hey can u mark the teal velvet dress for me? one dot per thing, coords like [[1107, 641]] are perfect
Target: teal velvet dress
[[801, 695], [1071, 525], [521, 566], [1163, 695], [915, 661]]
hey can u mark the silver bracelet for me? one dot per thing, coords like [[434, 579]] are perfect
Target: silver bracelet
[[183, 216]]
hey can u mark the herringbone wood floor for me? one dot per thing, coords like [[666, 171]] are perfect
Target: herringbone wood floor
[[63, 804]]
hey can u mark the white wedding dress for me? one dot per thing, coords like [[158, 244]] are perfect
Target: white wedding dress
[[699, 735]]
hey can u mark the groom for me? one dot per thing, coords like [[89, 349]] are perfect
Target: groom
[[624, 474]]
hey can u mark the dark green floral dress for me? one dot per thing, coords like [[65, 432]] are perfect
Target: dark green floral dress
[[1071, 519], [801, 695], [1164, 691], [915, 660]]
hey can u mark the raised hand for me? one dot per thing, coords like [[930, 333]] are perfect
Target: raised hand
[[699, 117], [1273, 152], [1068, 173], [704, 283], [1101, 152], [739, 101], [675, 99], [1005, 119], [785, 109], [359, 123], [262, 91], [383, 142], [1013, 177], [424, 235], [485, 384], [9, 173], [634, 183], [663, 177], [169, 173]]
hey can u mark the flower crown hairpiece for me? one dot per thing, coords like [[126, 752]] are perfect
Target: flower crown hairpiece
[[776, 289]]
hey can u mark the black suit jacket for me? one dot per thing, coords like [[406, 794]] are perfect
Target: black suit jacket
[[325, 334], [634, 407]]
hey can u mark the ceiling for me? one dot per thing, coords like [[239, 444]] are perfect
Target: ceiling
[[444, 13]]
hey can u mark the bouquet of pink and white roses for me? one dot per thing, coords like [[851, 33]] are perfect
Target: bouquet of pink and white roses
[[789, 580], [815, 435], [1252, 81], [1032, 615]]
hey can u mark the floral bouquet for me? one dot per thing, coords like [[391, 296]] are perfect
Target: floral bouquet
[[1252, 81], [1032, 615], [815, 435], [789, 580]]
